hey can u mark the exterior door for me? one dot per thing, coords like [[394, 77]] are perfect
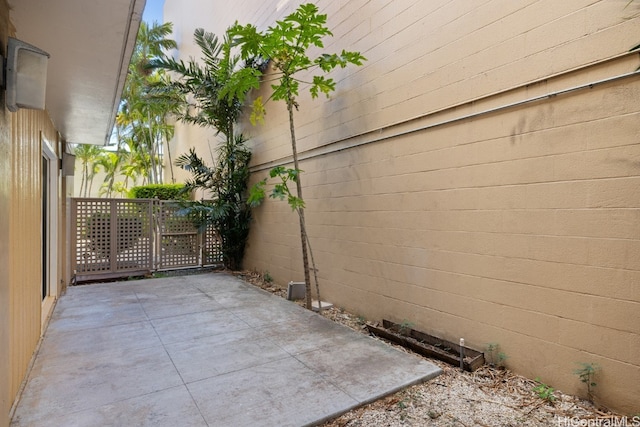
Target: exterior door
[[49, 196]]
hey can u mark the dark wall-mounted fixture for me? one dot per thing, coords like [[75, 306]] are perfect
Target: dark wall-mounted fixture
[[24, 76]]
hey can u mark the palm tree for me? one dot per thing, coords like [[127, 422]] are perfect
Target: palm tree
[[141, 126], [109, 161], [88, 155], [217, 87], [142, 119]]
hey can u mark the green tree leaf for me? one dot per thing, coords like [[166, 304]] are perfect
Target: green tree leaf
[[257, 193]]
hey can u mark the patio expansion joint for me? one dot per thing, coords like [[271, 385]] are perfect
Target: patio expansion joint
[[113, 402], [164, 347], [325, 377], [96, 327], [234, 371]]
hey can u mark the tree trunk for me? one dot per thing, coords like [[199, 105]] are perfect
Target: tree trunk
[[313, 265], [115, 168], [89, 187], [303, 231], [173, 179], [84, 174], [153, 178]]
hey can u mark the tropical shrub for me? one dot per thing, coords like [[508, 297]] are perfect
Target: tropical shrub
[[228, 210], [212, 93]]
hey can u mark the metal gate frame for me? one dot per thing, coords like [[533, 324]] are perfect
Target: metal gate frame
[[113, 238]]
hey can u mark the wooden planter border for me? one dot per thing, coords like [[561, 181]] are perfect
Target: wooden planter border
[[428, 345]]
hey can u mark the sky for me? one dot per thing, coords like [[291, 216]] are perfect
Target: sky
[[153, 11]]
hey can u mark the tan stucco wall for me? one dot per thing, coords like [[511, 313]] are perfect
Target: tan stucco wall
[[20, 238], [518, 226]]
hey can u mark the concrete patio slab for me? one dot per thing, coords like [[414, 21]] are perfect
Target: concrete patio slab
[[202, 350]]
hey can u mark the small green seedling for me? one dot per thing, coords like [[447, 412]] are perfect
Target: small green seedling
[[402, 404], [267, 277], [544, 391], [502, 357], [495, 357], [587, 372]]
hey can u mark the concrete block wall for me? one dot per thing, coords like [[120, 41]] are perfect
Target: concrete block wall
[[444, 187], [540, 253]]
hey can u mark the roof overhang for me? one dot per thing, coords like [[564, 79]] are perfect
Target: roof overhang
[[90, 43]]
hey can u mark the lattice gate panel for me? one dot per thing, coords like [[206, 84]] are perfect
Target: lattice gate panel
[[91, 236], [211, 247], [179, 242], [111, 237], [134, 235]]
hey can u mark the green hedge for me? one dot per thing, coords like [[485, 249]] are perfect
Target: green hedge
[[160, 191]]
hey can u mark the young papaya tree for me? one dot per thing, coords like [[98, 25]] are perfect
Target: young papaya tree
[[286, 44]]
